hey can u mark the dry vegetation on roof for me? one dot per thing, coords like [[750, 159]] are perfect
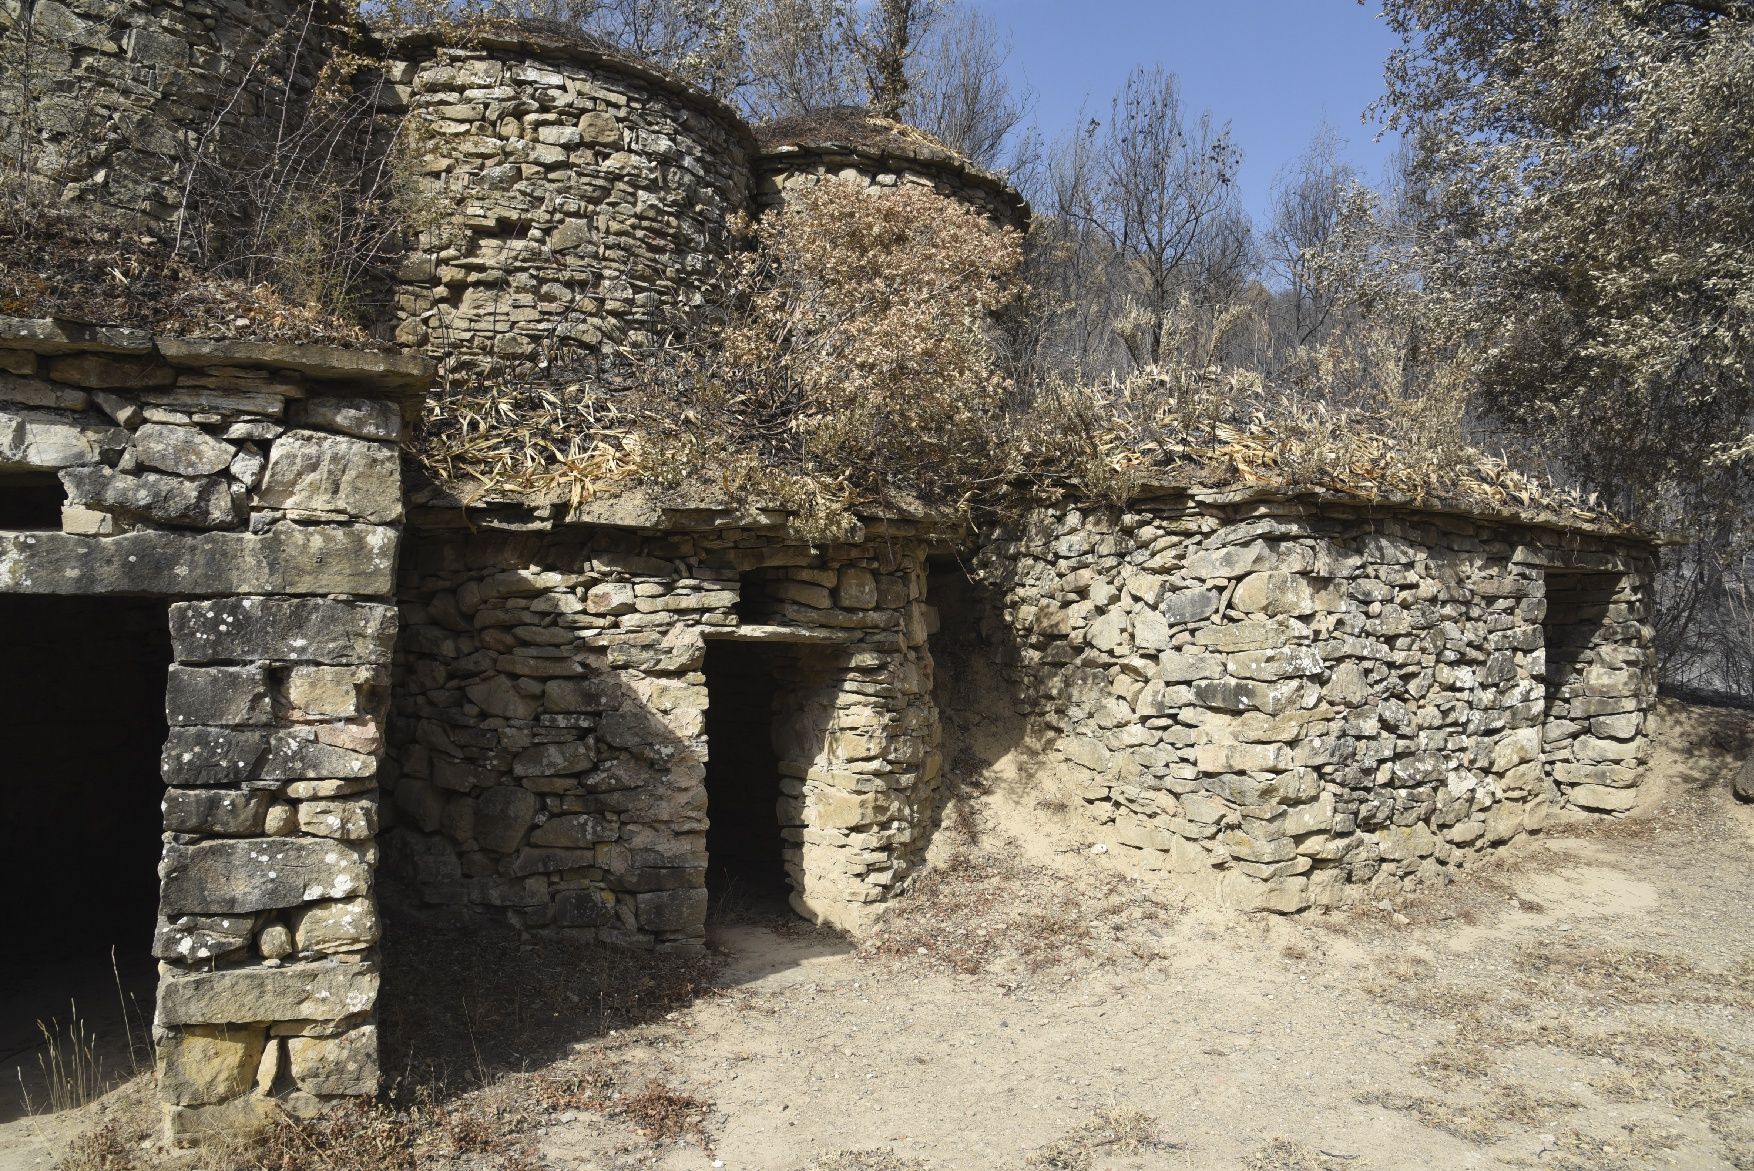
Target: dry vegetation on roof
[[851, 126], [857, 365], [61, 263]]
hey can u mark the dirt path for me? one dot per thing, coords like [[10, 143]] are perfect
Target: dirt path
[[1584, 1001]]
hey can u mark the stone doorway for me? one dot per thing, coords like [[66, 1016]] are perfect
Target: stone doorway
[[82, 685], [1593, 706], [746, 856]]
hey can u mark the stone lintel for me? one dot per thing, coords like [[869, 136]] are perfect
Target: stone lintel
[[289, 559]]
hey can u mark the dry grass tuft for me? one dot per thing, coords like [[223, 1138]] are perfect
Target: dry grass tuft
[[879, 1159], [66, 263], [1283, 1154], [1119, 1132], [1502, 1111]]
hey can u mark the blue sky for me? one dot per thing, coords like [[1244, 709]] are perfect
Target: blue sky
[[1275, 69]]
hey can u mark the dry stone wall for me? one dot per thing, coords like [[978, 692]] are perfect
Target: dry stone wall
[[584, 201], [1599, 686], [550, 728], [258, 488], [1308, 703], [106, 102], [792, 168]]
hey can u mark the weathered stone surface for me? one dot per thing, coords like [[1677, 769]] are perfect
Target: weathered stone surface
[[363, 418], [575, 756], [200, 757], [218, 695], [502, 816], [328, 928], [309, 471], [224, 812], [336, 1066], [259, 874], [305, 630], [183, 451], [500, 696], [1742, 784], [206, 503], [671, 910], [573, 832], [297, 992], [203, 1064], [31, 440], [326, 559]]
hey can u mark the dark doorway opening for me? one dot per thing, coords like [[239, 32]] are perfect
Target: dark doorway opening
[[82, 685], [1577, 614], [746, 874]]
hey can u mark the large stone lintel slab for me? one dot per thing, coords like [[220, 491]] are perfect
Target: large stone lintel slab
[[322, 559], [300, 992]]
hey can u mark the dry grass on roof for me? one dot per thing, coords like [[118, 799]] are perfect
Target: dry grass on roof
[[68, 264], [854, 126]]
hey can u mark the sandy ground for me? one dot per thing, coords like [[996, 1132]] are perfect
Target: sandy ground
[[1583, 1000]]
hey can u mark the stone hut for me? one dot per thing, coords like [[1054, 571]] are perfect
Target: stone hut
[[1313, 700], [306, 691], [198, 545], [853, 145], [582, 198]]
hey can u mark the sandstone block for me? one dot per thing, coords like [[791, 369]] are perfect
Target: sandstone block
[[218, 695], [299, 630], [205, 503], [573, 832], [1602, 799], [502, 816], [45, 442], [362, 418], [671, 910], [1274, 593], [199, 1065], [328, 928], [230, 877], [223, 812], [297, 992], [562, 759], [335, 1066], [182, 451], [311, 471]]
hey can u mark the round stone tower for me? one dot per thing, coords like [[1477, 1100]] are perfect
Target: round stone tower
[[851, 143], [577, 200]]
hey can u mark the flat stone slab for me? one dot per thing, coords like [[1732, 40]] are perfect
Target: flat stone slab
[[324, 559], [299, 992]]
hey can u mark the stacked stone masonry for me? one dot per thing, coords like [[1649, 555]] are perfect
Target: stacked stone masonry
[[792, 168], [1312, 703], [550, 739], [107, 102], [1300, 702], [588, 202], [258, 489]]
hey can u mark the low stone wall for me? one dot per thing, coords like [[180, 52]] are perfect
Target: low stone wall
[[592, 201], [1311, 703], [551, 722], [258, 488]]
